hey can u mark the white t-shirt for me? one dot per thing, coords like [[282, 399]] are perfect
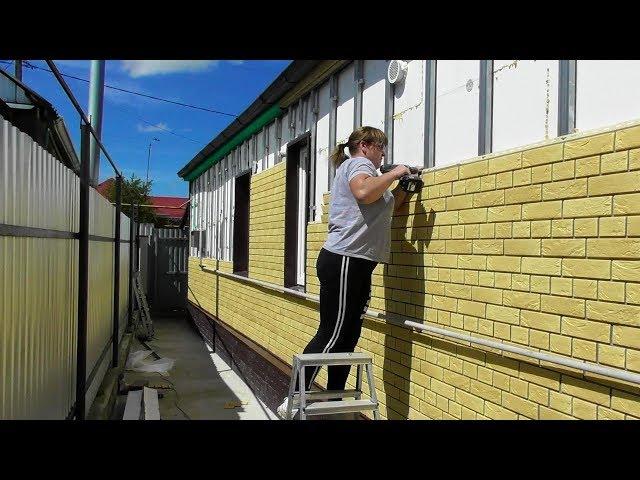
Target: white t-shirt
[[355, 229]]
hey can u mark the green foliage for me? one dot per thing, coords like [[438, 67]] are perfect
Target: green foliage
[[135, 191]]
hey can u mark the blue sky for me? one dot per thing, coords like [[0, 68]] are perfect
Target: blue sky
[[130, 122]]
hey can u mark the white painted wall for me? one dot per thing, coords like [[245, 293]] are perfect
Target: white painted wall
[[607, 92], [408, 116], [344, 118], [322, 147], [456, 110], [375, 74]]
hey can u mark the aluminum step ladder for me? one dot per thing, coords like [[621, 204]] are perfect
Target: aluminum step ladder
[[300, 399], [144, 326]]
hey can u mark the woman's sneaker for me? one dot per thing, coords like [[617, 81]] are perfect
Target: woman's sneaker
[[282, 409]]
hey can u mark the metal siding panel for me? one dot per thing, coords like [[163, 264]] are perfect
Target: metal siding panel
[[408, 117], [344, 117], [375, 74], [322, 146]]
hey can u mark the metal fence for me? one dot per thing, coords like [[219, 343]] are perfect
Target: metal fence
[[39, 221]]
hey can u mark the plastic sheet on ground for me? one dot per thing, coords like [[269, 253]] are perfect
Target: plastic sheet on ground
[[138, 361]]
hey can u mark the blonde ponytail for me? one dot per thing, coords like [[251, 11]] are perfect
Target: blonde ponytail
[[338, 156]]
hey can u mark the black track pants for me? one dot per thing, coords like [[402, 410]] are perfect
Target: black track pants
[[345, 290]]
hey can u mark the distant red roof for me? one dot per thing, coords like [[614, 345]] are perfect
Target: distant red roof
[[175, 213], [104, 186]]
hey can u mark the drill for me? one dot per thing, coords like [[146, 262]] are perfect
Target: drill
[[411, 183]]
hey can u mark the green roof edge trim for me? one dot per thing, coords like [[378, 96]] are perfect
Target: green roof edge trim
[[264, 118]]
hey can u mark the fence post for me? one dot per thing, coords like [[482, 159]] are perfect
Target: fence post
[[83, 274], [130, 307], [116, 273]]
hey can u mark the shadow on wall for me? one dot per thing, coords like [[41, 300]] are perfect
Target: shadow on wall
[[404, 294]]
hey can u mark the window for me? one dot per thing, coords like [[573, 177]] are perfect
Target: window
[[241, 225], [296, 212]]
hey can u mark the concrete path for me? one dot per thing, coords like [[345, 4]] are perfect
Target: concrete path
[[200, 386]]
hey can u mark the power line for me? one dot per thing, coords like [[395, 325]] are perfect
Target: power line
[[29, 65]]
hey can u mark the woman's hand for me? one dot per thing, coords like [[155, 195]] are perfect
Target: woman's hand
[[399, 171]]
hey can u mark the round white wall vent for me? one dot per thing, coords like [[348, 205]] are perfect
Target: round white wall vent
[[397, 71]]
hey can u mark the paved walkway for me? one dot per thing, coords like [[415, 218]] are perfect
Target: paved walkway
[[200, 386]]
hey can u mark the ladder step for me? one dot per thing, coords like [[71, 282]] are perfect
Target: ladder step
[[324, 395], [313, 359], [341, 406]]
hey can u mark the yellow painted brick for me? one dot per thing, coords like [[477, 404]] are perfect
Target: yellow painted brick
[[586, 227], [585, 288], [588, 166], [487, 230], [608, 414], [520, 282], [445, 175], [612, 226], [522, 177], [613, 248], [473, 169], [566, 189], [628, 138], [472, 262], [485, 391], [584, 410], [633, 226], [633, 360], [470, 401], [503, 280], [633, 293], [542, 210], [550, 414], [521, 229], [473, 215], [562, 305], [562, 228], [560, 401], [611, 355], [458, 246], [583, 147], [541, 174], [540, 321], [520, 335], [487, 199], [587, 207], [561, 286], [505, 162], [504, 180], [588, 268], [634, 159], [583, 349], [538, 394], [540, 284], [625, 402], [581, 328], [520, 405], [539, 339], [488, 182], [563, 248], [472, 185], [503, 263], [502, 331], [504, 213], [551, 266], [488, 295], [529, 301], [626, 336], [614, 183], [504, 230], [626, 204], [529, 193], [614, 162], [485, 279], [541, 228], [563, 170], [613, 312], [611, 291], [560, 344], [503, 314], [459, 202], [625, 270], [476, 309], [491, 247], [541, 155], [522, 247], [497, 412], [501, 380]]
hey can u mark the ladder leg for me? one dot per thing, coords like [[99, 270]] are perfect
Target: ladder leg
[[303, 398], [372, 390], [359, 382], [292, 386]]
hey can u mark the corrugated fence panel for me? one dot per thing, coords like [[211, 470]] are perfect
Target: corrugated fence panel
[[38, 282]]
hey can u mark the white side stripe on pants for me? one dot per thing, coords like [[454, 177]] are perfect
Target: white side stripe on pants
[[342, 308]]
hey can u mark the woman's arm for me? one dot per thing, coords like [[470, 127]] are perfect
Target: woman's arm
[[367, 189]]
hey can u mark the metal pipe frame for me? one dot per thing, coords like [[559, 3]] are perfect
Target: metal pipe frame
[[410, 324], [116, 274], [567, 97], [485, 127]]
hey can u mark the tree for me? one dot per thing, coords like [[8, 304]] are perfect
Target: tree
[[135, 191]]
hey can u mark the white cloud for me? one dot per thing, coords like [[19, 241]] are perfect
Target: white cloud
[[158, 127], [143, 68]]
